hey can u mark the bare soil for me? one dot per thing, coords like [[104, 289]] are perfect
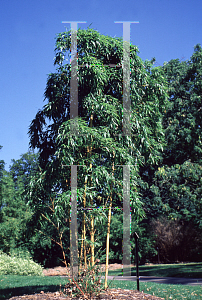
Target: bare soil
[[62, 271]]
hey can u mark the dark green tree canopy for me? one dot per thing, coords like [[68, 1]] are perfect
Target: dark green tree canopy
[[183, 119], [14, 213], [177, 192], [25, 167]]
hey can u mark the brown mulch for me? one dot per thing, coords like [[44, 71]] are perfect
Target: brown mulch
[[119, 294], [62, 271], [110, 294]]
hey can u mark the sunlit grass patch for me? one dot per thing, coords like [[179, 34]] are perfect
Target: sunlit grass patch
[[166, 291], [14, 281], [16, 285]]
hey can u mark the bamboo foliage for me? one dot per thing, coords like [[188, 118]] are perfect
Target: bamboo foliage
[[97, 146]]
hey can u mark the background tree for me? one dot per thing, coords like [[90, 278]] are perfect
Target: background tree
[[25, 168], [173, 188], [18, 220], [182, 120], [14, 214]]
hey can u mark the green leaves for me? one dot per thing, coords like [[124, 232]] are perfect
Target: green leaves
[[100, 150], [182, 121], [14, 213], [179, 188]]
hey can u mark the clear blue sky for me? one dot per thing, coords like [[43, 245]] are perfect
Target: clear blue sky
[[167, 29]]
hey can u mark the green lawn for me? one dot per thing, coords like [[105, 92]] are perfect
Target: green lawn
[[15, 285], [166, 291], [189, 270]]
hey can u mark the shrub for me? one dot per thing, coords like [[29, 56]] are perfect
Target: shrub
[[16, 265]]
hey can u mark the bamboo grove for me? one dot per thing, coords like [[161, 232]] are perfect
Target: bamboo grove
[[99, 150]]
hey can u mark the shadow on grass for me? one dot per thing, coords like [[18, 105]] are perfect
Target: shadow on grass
[[189, 270], [28, 290], [175, 270]]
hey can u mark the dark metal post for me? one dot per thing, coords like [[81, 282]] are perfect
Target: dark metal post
[[137, 267], [158, 256]]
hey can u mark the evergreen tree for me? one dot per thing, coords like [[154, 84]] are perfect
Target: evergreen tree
[[182, 121], [14, 214]]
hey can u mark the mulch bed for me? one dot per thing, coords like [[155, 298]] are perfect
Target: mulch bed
[[110, 294]]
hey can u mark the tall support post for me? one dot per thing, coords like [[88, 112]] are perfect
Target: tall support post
[[73, 222], [74, 81], [74, 131], [126, 222], [73, 225], [126, 78], [126, 132], [126, 246], [137, 261]]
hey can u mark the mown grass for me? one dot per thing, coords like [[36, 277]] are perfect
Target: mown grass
[[186, 270], [166, 291], [14, 285]]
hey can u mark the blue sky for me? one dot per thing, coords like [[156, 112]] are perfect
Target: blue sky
[[167, 29]]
